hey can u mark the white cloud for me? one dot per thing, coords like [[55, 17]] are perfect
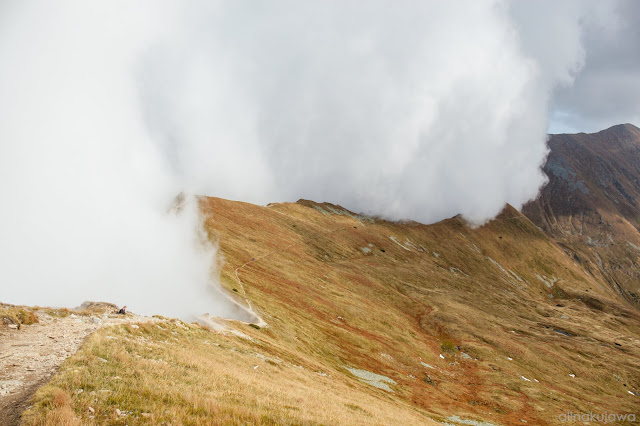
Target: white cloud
[[606, 89], [408, 109], [86, 195]]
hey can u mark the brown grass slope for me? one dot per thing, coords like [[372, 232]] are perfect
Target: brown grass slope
[[497, 324], [420, 291]]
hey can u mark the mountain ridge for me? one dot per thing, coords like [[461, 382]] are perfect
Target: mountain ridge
[[522, 319]]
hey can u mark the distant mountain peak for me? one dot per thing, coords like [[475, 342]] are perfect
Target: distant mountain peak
[[617, 129], [626, 129]]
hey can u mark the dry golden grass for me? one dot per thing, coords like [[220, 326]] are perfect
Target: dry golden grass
[[391, 308], [469, 302], [16, 315], [184, 374]]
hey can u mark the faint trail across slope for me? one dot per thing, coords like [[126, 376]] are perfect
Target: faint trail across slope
[[312, 238], [30, 356]]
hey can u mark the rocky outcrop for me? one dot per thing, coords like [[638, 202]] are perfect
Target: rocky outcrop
[[591, 203]]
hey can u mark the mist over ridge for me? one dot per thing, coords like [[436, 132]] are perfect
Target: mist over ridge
[[411, 110]]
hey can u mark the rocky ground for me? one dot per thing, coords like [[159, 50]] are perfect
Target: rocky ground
[[30, 355]]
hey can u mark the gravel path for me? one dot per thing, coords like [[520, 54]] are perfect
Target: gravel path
[[31, 355]]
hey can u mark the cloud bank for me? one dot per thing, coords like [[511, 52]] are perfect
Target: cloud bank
[[86, 195], [418, 110]]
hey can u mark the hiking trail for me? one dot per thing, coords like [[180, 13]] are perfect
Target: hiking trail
[[31, 355]]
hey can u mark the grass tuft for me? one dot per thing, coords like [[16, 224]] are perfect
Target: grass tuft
[[448, 346], [18, 316]]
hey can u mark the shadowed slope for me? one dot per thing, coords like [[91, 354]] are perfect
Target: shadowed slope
[[591, 204]]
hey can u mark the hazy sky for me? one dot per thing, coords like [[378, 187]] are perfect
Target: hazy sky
[[606, 89], [405, 109]]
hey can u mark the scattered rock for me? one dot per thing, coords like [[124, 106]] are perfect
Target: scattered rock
[[460, 420], [429, 380], [377, 380], [98, 306]]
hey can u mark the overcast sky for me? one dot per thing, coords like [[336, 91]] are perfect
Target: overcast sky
[[606, 90]]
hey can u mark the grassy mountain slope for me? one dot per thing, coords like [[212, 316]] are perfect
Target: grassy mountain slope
[[497, 323], [501, 291]]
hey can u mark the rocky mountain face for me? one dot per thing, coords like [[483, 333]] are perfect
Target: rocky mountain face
[[591, 204]]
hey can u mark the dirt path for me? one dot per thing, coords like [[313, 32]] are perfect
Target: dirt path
[[31, 355]]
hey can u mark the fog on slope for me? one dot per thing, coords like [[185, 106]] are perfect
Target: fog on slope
[[87, 200], [408, 109]]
